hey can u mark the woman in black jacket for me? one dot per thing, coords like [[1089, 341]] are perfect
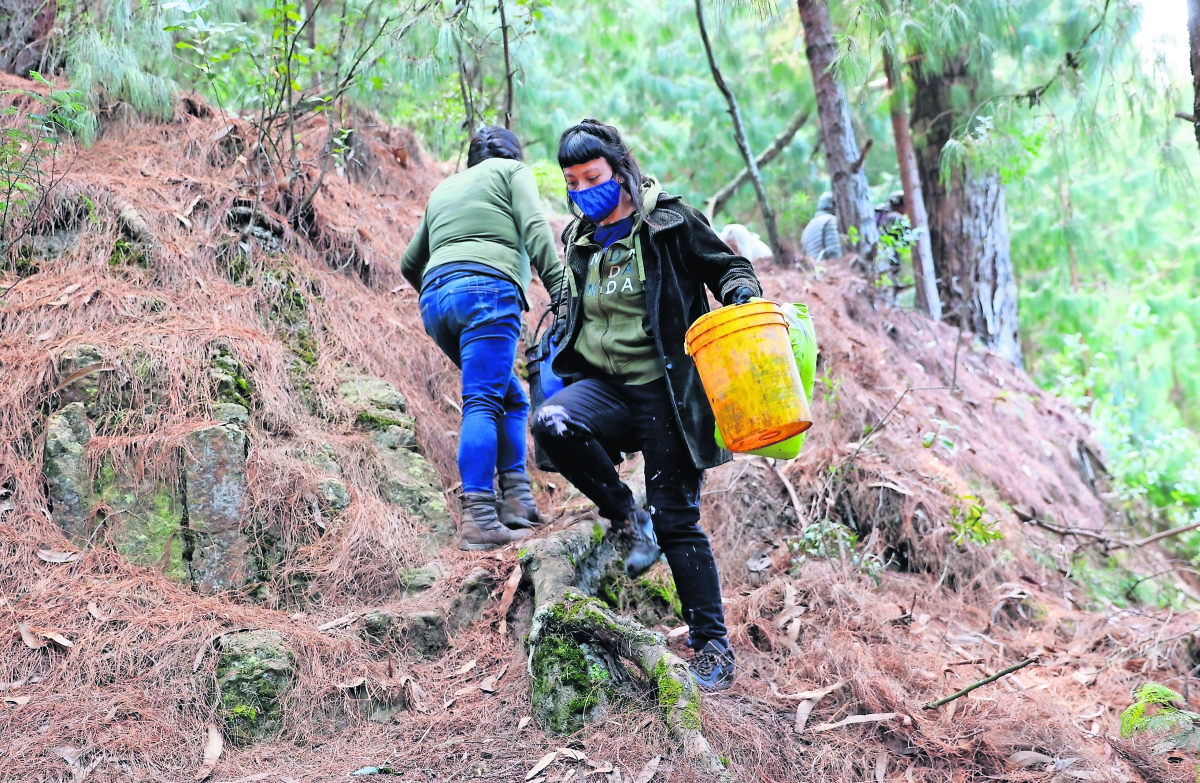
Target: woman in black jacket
[[638, 262]]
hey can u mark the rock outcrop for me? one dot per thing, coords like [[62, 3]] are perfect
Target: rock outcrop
[[214, 474], [254, 673], [68, 478]]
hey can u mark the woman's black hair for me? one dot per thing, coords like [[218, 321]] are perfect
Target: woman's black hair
[[493, 142], [592, 139]]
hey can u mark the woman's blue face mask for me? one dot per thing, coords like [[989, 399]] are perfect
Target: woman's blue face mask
[[597, 202]]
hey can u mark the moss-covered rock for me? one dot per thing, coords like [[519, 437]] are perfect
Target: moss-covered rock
[[254, 673], [66, 470], [572, 684], [419, 579], [84, 388], [651, 598], [146, 523], [379, 404], [408, 480], [230, 378], [231, 413]]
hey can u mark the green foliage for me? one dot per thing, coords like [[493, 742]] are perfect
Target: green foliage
[[968, 523], [1154, 712], [827, 539], [31, 160]]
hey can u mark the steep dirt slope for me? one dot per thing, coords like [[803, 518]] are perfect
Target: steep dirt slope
[[173, 343]]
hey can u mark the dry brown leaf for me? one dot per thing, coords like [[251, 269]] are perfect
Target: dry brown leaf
[[94, 611], [71, 289], [57, 557], [349, 684], [31, 641], [506, 599], [67, 754], [466, 667], [648, 771], [1029, 758], [488, 685], [675, 633], [212, 753], [17, 700], [543, 762], [572, 754], [881, 766], [53, 635], [523, 722], [1086, 676]]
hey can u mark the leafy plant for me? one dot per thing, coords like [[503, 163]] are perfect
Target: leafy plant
[[828, 539], [968, 523], [31, 157], [1153, 711]]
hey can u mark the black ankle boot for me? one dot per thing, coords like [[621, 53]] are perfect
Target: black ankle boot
[[516, 507]]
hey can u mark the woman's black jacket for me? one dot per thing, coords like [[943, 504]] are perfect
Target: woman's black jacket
[[681, 255]]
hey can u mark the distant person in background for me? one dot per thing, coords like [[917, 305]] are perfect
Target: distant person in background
[[745, 243], [470, 259], [820, 239], [888, 216]]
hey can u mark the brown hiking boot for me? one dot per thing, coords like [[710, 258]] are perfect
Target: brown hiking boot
[[481, 528], [516, 507]]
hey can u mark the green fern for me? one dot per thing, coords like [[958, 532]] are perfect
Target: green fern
[[1181, 726]]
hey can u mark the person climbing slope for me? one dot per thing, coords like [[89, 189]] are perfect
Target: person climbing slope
[[638, 262], [470, 259]]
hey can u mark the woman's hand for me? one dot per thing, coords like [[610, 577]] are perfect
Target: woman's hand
[[739, 295]]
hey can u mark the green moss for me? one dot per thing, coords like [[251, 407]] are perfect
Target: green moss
[[563, 687], [379, 419], [670, 691], [147, 521], [597, 535], [254, 671], [126, 253], [307, 347]]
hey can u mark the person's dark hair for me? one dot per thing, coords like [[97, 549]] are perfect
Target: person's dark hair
[[592, 139], [493, 142]]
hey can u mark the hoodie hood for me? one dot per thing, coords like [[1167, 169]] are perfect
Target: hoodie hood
[[825, 203]]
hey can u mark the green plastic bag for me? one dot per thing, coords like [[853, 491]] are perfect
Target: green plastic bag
[[804, 344]]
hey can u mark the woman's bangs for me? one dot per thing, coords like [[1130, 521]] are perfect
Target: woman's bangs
[[579, 146]]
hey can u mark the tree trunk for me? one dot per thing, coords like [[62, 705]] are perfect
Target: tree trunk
[[508, 71], [1194, 42], [847, 179], [739, 135], [924, 275], [967, 229]]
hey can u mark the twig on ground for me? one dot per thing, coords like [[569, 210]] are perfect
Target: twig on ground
[[1002, 673], [872, 718], [791, 490]]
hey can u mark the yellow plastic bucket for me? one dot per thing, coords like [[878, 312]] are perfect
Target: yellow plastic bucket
[[749, 372]]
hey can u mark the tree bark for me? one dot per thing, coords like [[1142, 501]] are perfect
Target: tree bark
[[967, 229], [719, 199], [508, 72], [739, 135], [847, 179], [1194, 45], [924, 275]]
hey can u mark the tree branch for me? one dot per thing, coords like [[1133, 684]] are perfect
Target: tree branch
[[739, 135], [717, 202], [933, 705]]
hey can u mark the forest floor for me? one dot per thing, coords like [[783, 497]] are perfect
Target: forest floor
[[884, 622]]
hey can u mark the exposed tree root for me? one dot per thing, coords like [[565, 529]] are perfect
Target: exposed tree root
[[577, 646]]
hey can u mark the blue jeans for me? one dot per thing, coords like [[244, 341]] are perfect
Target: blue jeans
[[476, 320]]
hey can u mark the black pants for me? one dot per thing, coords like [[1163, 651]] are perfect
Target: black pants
[[586, 425]]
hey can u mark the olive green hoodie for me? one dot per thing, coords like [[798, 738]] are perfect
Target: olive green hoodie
[[615, 337], [489, 214]]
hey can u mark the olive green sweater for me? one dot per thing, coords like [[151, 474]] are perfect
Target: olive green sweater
[[489, 214]]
